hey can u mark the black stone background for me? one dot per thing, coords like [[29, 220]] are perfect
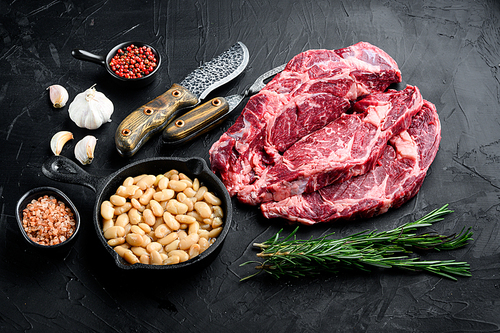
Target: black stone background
[[449, 49]]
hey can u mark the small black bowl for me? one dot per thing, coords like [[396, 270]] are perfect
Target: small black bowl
[[105, 60], [36, 193]]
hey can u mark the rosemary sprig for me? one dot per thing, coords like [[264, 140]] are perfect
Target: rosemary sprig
[[288, 256]]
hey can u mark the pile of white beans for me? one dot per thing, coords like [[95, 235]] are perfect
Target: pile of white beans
[[161, 219]]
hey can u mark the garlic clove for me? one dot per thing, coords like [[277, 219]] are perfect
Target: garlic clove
[[59, 140], [58, 95], [84, 149]]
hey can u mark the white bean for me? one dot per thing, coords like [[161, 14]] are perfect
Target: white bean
[[117, 200], [212, 199], [114, 232], [107, 210], [161, 219], [203, 209], [176, 207], [183, 256]]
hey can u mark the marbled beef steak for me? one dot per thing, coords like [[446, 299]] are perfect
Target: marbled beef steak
[[324, 139], [316, 87], [397, 177], [346, 147]]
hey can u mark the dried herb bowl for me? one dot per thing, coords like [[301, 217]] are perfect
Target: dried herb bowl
[[63, 169], [36, 193]]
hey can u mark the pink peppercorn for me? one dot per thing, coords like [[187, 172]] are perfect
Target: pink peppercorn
[[134, 62]]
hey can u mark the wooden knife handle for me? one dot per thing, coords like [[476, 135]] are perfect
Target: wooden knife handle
[[150, 118], [197, 121]]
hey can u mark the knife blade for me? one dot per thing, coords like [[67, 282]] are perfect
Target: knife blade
[[140, 125], [209, 115]]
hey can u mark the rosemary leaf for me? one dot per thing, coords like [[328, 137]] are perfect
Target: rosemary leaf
[[289, 256]]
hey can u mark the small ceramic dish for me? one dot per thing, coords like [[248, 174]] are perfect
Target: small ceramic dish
[[105, 60], [36, 193]]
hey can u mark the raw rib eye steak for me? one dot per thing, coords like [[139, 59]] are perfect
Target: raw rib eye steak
[[396, 179], [346, 147], [323, 140], [315, 88]]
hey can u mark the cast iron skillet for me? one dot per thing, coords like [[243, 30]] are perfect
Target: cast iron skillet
[[62, 169], [104, 61]]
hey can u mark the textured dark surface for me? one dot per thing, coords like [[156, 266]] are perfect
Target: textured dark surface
[[449, 49]]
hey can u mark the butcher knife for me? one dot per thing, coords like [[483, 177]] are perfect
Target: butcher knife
[[207, 116], [154, 116]]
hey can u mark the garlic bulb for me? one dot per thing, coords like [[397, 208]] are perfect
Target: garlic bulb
[[58, 140], [90, 109], [84, 149], [58, 95]]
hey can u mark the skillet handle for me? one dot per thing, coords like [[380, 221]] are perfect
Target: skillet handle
[[87, 56], [64, 170]]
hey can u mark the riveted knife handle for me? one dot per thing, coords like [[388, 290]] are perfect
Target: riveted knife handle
[[150, 118], [197, 121]]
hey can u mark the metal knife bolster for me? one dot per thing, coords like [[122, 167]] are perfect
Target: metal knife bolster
[[150, 118]]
